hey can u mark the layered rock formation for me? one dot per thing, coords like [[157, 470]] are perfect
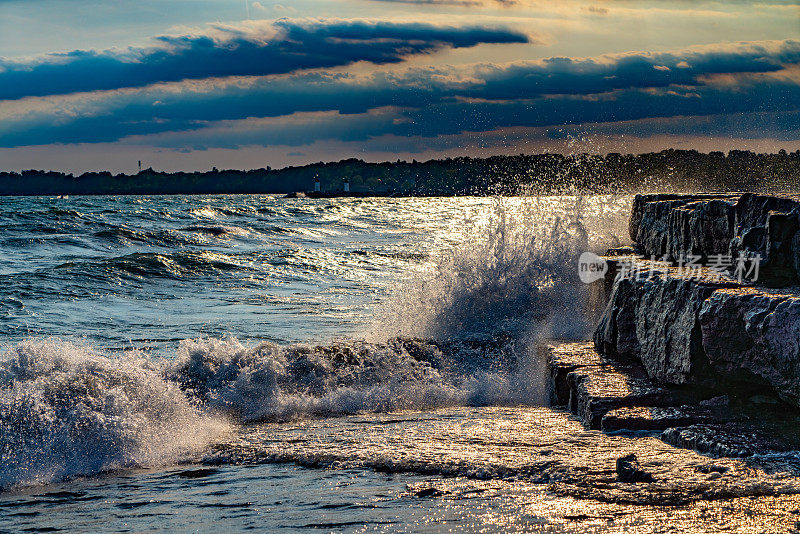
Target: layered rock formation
[[707, 356], [613, 396], [704, 326], [675, 227]]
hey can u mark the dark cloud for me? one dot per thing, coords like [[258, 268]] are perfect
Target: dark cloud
[[282, 47], [723, 80]]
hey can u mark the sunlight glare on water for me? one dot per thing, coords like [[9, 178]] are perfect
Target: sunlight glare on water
[[345, 363]]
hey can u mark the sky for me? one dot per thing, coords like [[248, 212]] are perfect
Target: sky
[[193, 84]]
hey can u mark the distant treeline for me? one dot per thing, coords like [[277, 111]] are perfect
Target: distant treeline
[[682, 170]]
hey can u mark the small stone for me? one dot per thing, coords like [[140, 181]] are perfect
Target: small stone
[[429, 492], [629, 470]]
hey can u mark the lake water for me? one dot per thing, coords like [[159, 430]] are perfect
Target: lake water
[[250, 362]]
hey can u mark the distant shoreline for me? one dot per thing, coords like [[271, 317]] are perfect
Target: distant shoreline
[[686, 170]]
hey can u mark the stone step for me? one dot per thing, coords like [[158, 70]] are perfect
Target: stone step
[[615, 397], [590, 387], [656, 418]]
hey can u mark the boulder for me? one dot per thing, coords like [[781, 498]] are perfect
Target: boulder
[[751, 339], [629, 470], [653, 320], [706, 330], [678, 225], [701, 228], [707, 226]]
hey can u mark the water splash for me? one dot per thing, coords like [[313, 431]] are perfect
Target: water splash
[[514, 275], [67, 411], [273, 382]]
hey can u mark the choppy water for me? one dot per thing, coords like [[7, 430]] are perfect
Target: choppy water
[[197, 363]]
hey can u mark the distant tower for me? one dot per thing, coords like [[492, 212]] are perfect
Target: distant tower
[[316, 184], [140, 165], [347, 185]]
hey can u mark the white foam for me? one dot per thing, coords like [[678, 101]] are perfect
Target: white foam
[[66, 411]]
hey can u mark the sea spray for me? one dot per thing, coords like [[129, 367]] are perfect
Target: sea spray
[[513, 281], [461, 333], [514, 274], [66, 410]]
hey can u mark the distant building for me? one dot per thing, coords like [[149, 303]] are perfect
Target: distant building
[[316, 184]]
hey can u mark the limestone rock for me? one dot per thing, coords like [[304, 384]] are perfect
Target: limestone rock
[[655, 321], [656, 418], [597, 390], [679, 226], [700, 330], [563, 359], [751, 338], [726, 439]]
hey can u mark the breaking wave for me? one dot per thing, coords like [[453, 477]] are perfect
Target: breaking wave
[[462, 332], [272, 382], [66, 411]]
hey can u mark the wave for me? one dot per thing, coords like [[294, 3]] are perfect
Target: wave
[[271, 382], [217, 231], [213, 212], [462, 332], [120, 234], [147, 265], [66, 411]]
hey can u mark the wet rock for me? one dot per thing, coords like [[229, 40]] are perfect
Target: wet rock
[[704, 329], [561, 360], [716, 402], [656, 418], [591, 387], [778, 269], [654, 320], [629, 470], [732, 439], [751, 209], [429, 492], [751, 339], [675, 226], [597, 390], [621, 251], [649, 221], [712, 468], [610, 396], [615, 335], [702, 228]]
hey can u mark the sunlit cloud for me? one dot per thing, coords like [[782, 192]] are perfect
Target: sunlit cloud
[[282, 46], [423, 102]]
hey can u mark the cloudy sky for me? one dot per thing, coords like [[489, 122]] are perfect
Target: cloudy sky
[[191, 84]]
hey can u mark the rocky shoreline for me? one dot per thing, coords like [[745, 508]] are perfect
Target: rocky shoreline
[[699, 342]]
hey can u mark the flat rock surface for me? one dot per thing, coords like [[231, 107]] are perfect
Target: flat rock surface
[[655, 418], [615, 397]]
